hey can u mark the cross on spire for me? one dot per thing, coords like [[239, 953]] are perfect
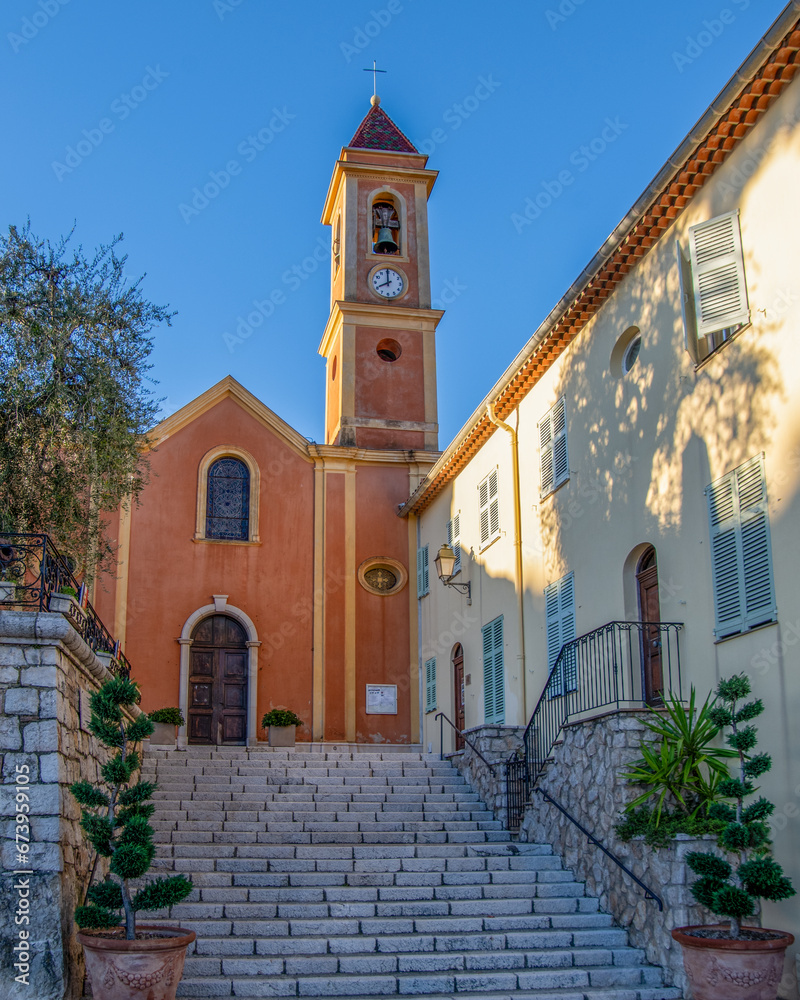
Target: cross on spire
[[374, 70]]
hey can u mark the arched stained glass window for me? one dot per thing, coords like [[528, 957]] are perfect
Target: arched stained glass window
[[228, 504]]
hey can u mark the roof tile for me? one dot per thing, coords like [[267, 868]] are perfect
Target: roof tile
[[378, 131]]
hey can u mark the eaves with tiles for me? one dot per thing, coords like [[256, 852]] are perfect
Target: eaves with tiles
[[752, 90]]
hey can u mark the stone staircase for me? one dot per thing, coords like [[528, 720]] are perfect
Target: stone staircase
[[335, 871]]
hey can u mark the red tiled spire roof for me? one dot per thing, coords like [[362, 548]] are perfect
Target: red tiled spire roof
[[378, 131]]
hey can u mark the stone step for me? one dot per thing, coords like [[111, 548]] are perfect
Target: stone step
[[323, 874]]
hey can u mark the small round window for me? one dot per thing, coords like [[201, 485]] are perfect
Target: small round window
[[382, 576], [631, 355], [389, 350], [626, 352]]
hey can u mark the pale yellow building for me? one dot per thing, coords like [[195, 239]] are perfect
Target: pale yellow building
[[640, 457]]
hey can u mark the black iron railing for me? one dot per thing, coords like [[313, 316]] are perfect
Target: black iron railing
[[619, 665], [33, 571], [442, 719], [648, 892]]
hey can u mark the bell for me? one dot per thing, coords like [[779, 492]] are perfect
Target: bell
[[385, 242]]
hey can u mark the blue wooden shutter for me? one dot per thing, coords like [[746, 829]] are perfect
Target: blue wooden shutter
[[454, 539], [430, 685], [553, 451], [489, 498], [720, 292], [422, 571], [559, 600], [741, 554], [494, 700], [687, 305]]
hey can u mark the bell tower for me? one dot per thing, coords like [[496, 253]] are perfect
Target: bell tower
[[379, 342]]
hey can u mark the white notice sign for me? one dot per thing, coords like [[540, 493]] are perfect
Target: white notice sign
[[381, 699]]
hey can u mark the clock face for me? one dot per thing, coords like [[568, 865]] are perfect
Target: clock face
[[387, 282]]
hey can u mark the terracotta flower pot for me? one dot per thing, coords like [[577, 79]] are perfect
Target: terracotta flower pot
[[282, 736], [722, 969], [133, 970]]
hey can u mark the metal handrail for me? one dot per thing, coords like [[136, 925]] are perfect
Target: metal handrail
[[648, 892], [36, 570], [440, 716]]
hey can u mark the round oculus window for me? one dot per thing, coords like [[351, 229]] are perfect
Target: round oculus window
[[631, 355], [389, 350], [382, 576]]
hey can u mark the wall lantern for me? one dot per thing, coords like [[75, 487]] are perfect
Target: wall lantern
[[445, 562]]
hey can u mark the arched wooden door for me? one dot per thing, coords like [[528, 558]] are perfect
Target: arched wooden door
[[218, 682], [458, 693], [650, 611]]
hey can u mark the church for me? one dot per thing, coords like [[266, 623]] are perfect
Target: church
[[289, 583]]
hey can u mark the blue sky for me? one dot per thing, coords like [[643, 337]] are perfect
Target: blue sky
[[157, 100]]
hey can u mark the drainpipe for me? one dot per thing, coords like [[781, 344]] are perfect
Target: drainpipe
[[517, 549]]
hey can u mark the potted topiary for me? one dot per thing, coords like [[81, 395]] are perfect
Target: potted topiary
[[727, 960], [129, 959], [165, 726], [281, 723]]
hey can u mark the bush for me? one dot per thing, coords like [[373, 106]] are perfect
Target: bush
[[726, 890], [168, 716], [281, 717], [642, 822], [684, 769], [116, 822]]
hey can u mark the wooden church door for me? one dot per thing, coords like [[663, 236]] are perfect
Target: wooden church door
[[218, 682]]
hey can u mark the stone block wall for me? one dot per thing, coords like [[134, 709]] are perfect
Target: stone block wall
[[47, 674], [584, 778], [497, 744]]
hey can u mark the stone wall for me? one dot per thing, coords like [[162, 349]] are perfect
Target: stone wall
[[47, 674], [584, 778], [497, 744]]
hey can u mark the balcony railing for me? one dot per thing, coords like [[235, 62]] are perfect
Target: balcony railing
[[32, 571], [619, 665]]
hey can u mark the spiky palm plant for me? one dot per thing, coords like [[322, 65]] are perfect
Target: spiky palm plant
[[725, 890], [116, 820]]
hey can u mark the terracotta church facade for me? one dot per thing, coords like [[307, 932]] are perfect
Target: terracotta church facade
[[289, 582]]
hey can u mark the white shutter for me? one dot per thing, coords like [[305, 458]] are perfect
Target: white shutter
[[559, 600], [560, 457], [493, 672], [553, 447], [454, 539], [430, 685], [687, 305], [422, 571], [489, 503], [546, 452], [720, 292], [741, 553]]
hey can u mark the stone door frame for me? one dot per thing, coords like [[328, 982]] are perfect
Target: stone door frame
[[220, 607]]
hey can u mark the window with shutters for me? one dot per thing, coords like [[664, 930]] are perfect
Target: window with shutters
[[430, 685], [553, 448], [741, 554], [489, 504], [713, 288], [559, 600], [422, 571], [494, 692], [454, 539]]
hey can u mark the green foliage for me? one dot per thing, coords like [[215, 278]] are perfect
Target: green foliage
[[733, 894], [69, 591], [641, 822], [682, 770], [106, 894], [281, 717], [140, 729], [168, 716], [95, 918], [162, 892], [116, 823], [75, 396]]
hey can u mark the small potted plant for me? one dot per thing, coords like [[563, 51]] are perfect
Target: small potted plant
[[281, 723], [165, 726], [726, 960], [126, 959]]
